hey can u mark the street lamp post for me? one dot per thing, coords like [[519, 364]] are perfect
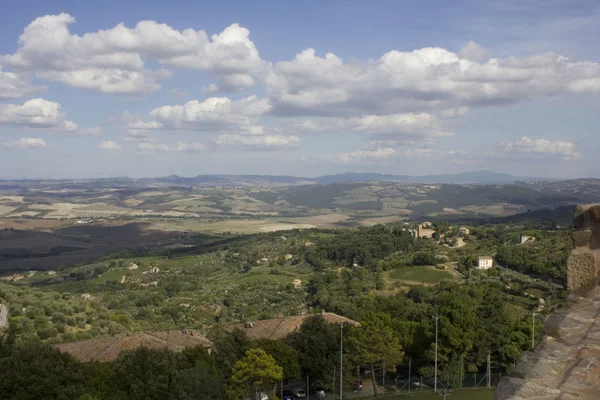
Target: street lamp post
[[532, 330], [341, 359], [436, 317]]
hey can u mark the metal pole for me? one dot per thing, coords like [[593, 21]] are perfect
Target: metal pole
[[307, 389], [462, 367], [341, 359], [489, 369], [436, 317], [332, 385], [409, 367], [532, 330], [358, 379], [383, 373]]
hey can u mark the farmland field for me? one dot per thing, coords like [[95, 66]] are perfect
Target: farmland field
[[428, 275]]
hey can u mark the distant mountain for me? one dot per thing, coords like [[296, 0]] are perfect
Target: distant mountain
[[231, 180], [209, 180], [477, 177]]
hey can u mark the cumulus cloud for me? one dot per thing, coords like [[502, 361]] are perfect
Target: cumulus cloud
[[13, 85], [212, 114], [432, 80], [147, 147], [40, 113], [398, 128], [113, 60], [539, 148], [25, 143], [109, 145], [265, 142], [474, 51]]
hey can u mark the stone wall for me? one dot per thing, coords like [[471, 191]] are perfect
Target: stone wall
[[566, 363], [584, 261]]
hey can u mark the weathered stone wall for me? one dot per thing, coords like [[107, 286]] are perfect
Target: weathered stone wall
[[584, 261], [566, 364]]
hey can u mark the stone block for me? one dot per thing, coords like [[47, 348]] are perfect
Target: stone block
[[581, 238], [595, 241], [582, 275], [595, 213]]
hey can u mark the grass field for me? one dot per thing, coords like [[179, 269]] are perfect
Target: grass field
[[465, 394], [417, 275]]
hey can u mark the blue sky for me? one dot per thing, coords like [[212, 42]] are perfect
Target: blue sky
[[301, 88]]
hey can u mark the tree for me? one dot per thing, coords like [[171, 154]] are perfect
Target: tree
[[257, 371], [285, 356], [39, 372], [317, 346], [374, 341], [147, 373], [229, 348]]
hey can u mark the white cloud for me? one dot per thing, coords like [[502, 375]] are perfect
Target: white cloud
[[539, 148], [40, 113], [35, 113], [26, 143], [431, 80], [257, 141], [474, 51], [367, 156], [409, 124], [179, 147], [214, 113], [113, 60], [13, 85], [109, 145]]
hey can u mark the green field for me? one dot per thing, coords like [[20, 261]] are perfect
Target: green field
[[420, 274], [465, 394]]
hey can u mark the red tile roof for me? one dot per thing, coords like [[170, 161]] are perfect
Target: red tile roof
[[279, 328], [108, 349]]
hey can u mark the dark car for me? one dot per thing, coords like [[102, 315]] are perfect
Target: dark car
[[319, 391], [287, 395], [357, 386]]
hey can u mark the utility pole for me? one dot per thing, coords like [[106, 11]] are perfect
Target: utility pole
[[358, 378], [383, 373], [489, 368], [532, 330], [341, 359], [307, 389], [409, 371], [462, 368], [436, 317], [332, 385]]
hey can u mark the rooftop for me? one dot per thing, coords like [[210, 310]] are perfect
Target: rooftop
[[279, 328], [108, 348]]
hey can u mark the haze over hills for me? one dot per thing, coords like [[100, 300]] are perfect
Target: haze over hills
[[471, 177]]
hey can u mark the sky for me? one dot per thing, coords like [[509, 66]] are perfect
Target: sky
[[303, 88]]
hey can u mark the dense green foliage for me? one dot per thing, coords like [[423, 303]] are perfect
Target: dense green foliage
[[370, 274]]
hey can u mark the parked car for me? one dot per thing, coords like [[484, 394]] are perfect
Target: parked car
[[299, 392], [319, 391], [263, 396], [357, 386]]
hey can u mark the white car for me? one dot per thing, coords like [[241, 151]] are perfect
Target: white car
[[263, 396], [299, 393]]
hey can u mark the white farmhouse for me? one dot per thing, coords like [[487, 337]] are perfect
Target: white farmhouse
[[485, 262], [525, 239]]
